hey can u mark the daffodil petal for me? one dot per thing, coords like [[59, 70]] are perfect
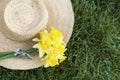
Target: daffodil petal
[[41, 53], [62, 58], [36, 39], [36, 45]]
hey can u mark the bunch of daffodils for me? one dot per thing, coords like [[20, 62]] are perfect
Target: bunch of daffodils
[[51, 47]]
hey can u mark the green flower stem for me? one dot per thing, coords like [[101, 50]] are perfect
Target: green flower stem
[[30, 51], [5, 55]]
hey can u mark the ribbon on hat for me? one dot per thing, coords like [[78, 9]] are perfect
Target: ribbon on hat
[[50, 46], [5, 55]]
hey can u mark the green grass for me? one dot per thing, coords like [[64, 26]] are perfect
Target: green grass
[[93, 51]]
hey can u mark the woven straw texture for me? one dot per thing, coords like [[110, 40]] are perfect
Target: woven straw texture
[[21, 20]]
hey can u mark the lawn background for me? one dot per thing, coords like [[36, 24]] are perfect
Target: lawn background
[[93, 50]]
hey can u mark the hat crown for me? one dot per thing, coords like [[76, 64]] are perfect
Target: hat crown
[[24, 19]]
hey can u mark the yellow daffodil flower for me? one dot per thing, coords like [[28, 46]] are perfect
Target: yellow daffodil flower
[[56, 35], [59, 48], [62, 59], [51, 47]]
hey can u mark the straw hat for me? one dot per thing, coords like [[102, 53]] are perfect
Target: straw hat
[[21, 20]]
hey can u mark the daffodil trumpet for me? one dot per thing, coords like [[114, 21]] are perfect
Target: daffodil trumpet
[[51, 47]]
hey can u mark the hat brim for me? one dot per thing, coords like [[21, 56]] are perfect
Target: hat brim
[[60, 16]]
